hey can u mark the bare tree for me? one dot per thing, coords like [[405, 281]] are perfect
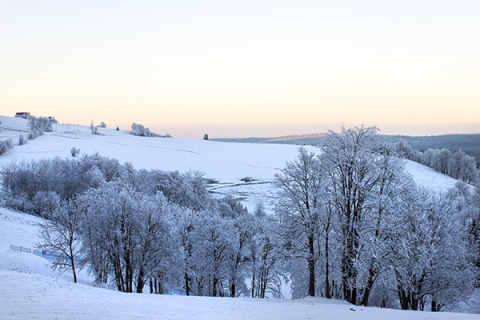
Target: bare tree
[[350, 161], [299, 205], [60, 240]]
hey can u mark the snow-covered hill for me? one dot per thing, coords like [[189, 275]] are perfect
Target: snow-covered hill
[[30, 290], [224, 162]]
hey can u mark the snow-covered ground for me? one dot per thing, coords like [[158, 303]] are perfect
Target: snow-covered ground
[[226, 163], [31, 290]]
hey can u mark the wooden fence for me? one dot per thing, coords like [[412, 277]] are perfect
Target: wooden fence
[[43, 254]]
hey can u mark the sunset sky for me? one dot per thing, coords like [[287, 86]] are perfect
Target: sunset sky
[[245, 68]]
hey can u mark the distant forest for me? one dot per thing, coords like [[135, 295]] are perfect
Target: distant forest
[[468, 143]]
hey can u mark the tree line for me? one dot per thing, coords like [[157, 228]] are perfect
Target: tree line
[[355, 226], [349, 223], [457, 164], [144, 229]]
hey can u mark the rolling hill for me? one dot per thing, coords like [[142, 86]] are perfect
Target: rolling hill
[[244, 170], [30, 290]]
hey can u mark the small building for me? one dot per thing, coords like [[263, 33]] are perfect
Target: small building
[[24, 115]]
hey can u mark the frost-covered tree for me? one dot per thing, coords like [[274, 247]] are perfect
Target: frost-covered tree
[[185, 224], [267, 274], [74, 151], [380, 209], [455, 164], [60, 237], [474, 234], [155, 252], [142, 131], [22, 140], [41, 123], [242, 222], [5, 145], [299, 203], [213, 246], [33, 186], [404, 150], [430, 261], [184, 189], [112, 224], [351, 165], [130, 230], [467, 205]]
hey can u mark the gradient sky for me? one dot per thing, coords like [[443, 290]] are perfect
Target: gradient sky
[[245, 68]]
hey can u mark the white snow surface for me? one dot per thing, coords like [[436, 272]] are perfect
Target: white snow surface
[[31, 290]]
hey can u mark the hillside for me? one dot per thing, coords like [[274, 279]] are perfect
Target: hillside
[[32, 290], [223, 163]]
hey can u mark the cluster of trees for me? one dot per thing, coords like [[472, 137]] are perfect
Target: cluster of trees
[[5, 145], [349, 223], [456, 164], [41, 124], [138, 228], [142, 131], [468, 143], [38, 187], [94, 129], [354, 226]]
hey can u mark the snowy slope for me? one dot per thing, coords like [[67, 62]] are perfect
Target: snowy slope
[[224, 162]]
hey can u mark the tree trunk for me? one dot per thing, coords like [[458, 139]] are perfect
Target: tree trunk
[[117, 269], [311, 267], [368, 287], [349, 278], [72, 262], [264, 282], [349, 273], [215, 283], [187, 286], [253, 284], [128, 275], [328, 293], [403, 298], [414, 302], [232, 290], [435, 307], [140, 281]]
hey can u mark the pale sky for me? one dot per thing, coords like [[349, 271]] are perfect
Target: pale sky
[[245, 68]]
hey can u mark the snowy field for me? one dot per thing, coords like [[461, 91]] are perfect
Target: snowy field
[[31, 290], [225, 163]]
